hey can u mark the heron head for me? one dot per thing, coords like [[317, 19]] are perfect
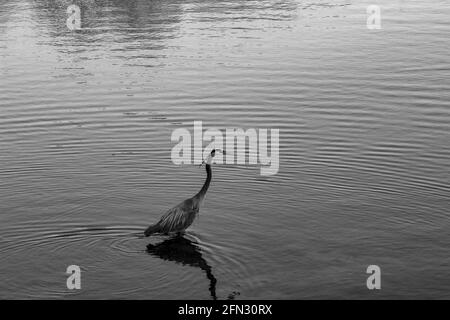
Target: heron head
[[215, 151], [212, 155]]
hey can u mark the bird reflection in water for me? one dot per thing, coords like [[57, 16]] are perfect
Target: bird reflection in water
[[182, 250]]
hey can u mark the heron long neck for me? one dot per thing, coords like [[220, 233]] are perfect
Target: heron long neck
[[202, 192]]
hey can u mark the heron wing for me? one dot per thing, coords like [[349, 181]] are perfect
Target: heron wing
[[178, 218]]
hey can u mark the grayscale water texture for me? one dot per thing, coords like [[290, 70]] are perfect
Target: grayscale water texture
[[86, 119]]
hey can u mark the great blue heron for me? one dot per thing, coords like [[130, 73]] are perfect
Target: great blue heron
[[180, 217]]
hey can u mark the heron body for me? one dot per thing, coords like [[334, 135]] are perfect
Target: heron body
[[180, 217]]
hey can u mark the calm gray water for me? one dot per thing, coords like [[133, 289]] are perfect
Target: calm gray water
[[86, 119]]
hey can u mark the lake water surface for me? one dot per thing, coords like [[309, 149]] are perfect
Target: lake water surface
[[85, 125]]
